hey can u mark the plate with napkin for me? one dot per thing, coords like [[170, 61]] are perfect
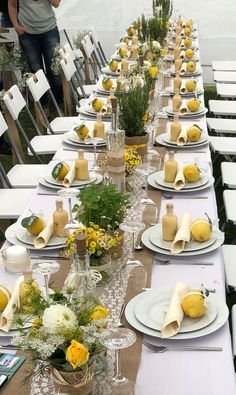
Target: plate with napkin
[[180, 182], [96, 179], [164, 312], [183, 139], [218, 304], [184, 112]]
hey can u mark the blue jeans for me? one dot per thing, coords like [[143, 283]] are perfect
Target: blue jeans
[[38, 50]]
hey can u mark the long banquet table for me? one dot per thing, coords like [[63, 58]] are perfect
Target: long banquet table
[[172, 372]]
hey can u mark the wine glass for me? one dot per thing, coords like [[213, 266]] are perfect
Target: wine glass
[[45, 268], [116, 339], [95, 141], [69, 193], [132, 227], [146, 169]]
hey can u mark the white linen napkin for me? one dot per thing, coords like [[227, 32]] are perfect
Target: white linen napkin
[[182, 236], [183, 69], [69, 178], [174, 315], [183, 88], [183, 137], [182, 54], [183, 108], [7, 314], [179, 182], [43, 238]]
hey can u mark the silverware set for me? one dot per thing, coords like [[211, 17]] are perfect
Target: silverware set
[[162, 349], [179, 262]]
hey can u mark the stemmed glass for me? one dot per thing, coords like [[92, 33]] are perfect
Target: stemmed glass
[[69, 193], [116, 339], [45, 268], [146, 169], [132, 227], [95, 141]]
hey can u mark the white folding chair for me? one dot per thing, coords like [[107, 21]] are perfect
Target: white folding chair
[[20, 175], [229, 252], [90, 52], [226, 90], [69, 70], [224, 65], [221, 125], [222, 107], [95, 41], [229, 197], [13, 202], [39, 145], [228, 174], [225, 76]]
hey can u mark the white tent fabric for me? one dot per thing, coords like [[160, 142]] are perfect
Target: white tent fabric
[[215, 20]]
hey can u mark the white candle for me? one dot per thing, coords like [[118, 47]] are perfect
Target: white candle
[[16, 259]]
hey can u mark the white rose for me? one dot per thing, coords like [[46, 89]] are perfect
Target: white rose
[[58, 317]]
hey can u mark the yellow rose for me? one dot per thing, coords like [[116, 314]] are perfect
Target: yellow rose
[[77, 354], [99, 313], [153, 71]]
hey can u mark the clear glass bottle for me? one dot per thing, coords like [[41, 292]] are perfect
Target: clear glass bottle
[[169, 224], [175, 128], [115, 139], [170, 168], [79, 280]]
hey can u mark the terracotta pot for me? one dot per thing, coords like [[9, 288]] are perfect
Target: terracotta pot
[[139, 143], [74, 383]]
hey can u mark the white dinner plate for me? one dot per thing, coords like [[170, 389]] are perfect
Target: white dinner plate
[[188, 74], [159, 179], [10, 235], [72, 136], [203, 139], [202, 111], [43, 182], [88, 112], [67, 140], [151, 309], [27, 238], [159, 140], [106, 70], [193, 245], [147, 243], [199, 91], [75, 183], [219, 321], [153, 183]]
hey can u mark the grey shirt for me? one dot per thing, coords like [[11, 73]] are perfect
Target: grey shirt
[[37, 16]]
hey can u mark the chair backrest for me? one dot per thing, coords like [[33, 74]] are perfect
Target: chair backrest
[[3, 124], [88, 47], [68, 66], [38, 85], [14, 101], [67, 50], [95, 40]]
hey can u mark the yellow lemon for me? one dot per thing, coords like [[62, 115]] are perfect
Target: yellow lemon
[[192, 173], [113, 65], [187, 42], [107, 83], [153, 71], [191, 85], [194, 133], [201, 230], [191, 66], [82, 131], [122, 52], [60, 171], [189, 53], [34, 224], [189, 23], [130, 31], [187, 31], [97, 104], [193, 105], [5, 296], [194, 304]]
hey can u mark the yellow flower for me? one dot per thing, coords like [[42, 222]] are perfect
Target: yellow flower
[[153, 71], [99, 313], [77, 354], [37, 323], [92, 244]]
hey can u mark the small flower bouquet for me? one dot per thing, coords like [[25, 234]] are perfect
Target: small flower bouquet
[[132, 160], [65, 334]]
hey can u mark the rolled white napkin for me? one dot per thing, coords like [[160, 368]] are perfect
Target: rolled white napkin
[[183, 108], [174, 315], [179, 182], [182, 54], [7, 314], [119, 68], [183, 137], [183, 68], [182, 236], [182, 45], [69, 178], [43, 238], [183, 88]]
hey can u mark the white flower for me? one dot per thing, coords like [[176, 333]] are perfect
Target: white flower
[[57, 317], [147, 64], [156, 45]]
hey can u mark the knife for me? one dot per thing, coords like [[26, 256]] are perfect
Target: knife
[[179, 262]]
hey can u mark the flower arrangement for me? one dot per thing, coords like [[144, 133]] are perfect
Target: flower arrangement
[[65, 332], [56, 61], [12, 59], [77, 40], [132, 160]]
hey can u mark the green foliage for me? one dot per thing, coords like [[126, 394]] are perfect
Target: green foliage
[[103, 205], [133, 104], [11, 59]]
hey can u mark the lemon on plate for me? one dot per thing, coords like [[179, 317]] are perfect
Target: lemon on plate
[[34, 224], [97, 104], [194, 133], [192, 173], [191, 66], [194, 303], [5, 296], [82, 131], [187, 42], [201, 230], [113, 65], [123, 52], [107, 83], [193, 105], [60, 170], [189, 53]]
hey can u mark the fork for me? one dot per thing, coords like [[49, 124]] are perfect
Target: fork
[[161, 349], [176, 262]]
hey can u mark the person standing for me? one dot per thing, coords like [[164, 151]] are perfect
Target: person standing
[[38, 34]]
